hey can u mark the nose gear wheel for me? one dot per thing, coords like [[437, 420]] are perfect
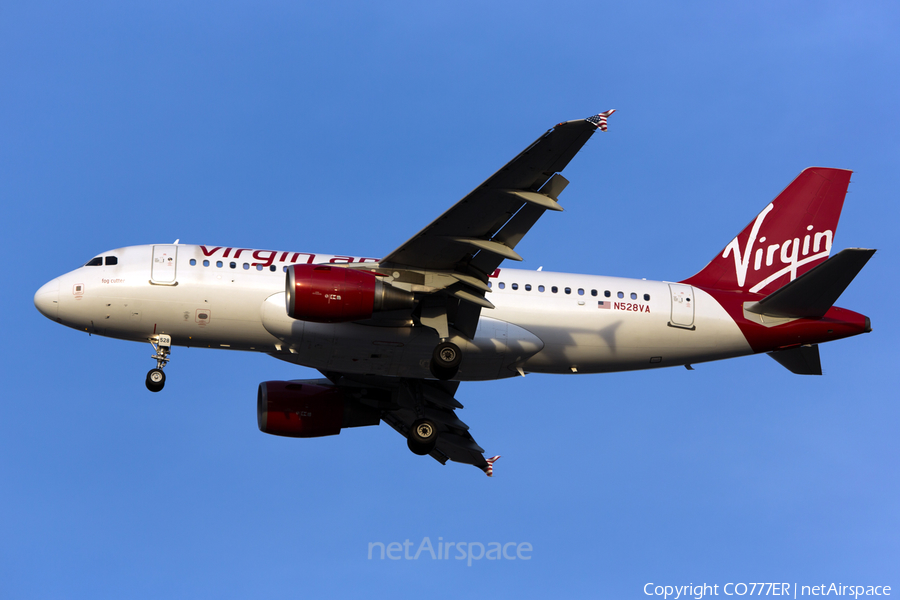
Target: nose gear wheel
[[156, 379]]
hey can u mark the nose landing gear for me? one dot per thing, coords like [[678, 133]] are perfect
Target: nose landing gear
[[156, 379]]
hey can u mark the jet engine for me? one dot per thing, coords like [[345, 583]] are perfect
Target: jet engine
[[311, 408], [327, 294]]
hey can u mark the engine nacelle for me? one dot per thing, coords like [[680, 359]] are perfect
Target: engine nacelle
[[310, 409], [329, 294]]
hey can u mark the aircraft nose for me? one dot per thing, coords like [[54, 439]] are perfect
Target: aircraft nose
[[46, 299]]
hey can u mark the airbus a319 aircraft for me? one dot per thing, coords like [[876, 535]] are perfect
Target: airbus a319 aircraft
[[393, 337]]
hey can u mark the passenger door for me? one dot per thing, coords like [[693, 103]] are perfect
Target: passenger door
[[162, 271], [682, 305]]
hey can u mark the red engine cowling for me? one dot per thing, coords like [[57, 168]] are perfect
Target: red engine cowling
[[305, 409], [329, 294]]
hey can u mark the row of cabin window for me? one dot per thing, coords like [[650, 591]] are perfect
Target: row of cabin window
[[233, 265], [98, 261], [501, 285], [554, 289]]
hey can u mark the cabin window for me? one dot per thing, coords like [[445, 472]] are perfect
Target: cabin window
[[233, 265], [568, 290], [246, 266], [94, 262], [193, 262], [607, 294], [111, 260], [621, 294], [554, 289], [593, 292], [219, 263], [646, 297], [273, 268], [527, 287], [501, 285], [580, 292], [515, 286], [633, 296], [259, 267], [205, 263], [540, 288], [490, 284], [284, 268]]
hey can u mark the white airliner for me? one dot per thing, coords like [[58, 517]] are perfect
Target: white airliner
[[393, 337]]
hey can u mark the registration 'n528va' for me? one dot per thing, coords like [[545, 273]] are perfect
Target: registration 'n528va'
[[631, 306]]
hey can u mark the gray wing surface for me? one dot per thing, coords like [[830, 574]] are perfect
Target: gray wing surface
[[415, 398], [448, 263], [483, 229]]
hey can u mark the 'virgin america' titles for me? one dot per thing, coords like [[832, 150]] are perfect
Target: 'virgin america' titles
[[268, 257], [789, 254]]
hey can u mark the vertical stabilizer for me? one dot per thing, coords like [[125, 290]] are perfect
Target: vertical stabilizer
[[793, 234]]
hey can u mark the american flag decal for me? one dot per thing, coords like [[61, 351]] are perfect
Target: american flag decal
[[600, 120], [603, 304], [489, 469]]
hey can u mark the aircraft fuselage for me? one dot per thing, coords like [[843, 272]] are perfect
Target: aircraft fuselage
[[543, 322]]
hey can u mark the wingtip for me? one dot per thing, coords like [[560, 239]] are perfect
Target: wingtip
[[489, 469], [599, 120]]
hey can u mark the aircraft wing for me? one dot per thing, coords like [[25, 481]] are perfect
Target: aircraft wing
[[412, 399], [483, 228], [453, 256]]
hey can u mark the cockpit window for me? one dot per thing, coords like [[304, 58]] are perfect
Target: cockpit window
[[94, 262], [112, 260]]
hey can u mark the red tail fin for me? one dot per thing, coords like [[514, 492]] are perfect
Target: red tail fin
[[789, 237]]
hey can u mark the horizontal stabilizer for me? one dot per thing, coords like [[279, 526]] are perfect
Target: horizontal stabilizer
[[802, 360], [814, 292]]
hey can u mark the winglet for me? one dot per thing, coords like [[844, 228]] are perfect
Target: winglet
[[489, 469], [600, 120]]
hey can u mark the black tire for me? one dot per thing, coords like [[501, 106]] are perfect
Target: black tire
[[445, 360], [447, 355], [423, 437], [156, 380]]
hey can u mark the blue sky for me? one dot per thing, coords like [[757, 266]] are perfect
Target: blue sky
[[345, 129]]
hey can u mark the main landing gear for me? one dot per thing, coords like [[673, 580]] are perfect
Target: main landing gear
[[445, 360], [156, 379], [422, 437]]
